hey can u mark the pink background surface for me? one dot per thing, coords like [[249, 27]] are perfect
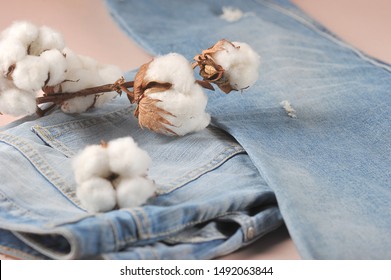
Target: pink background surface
[[88, 29]]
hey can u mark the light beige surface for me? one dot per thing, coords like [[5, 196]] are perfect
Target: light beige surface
[[89, 30]]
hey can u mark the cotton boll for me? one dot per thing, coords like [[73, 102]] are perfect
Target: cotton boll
[[11, 51], [188, 109], [172, 68], [78, 105], [30, 73], [126, 158], [76, 80], [97, 195], [57, 66], [132, 192], [88, 62], [108, 74], [5, 83], [22, 31], [240, 62], [91, 162], [16, 102], [73, 60], [47, 39]]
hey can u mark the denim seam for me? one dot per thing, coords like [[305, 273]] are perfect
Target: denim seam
[[143, 225], [84, 123], [45, 135], [324, 33], [40, 164], [116, 239], [138, 222], [192, 175]]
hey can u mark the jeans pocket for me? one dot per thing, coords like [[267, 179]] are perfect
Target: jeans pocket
[[175, 160]]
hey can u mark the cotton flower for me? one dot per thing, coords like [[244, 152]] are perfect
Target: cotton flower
[[112, 175], [47, 39], [132, 192], [97, 195], [57, 66], [11, 51], [127, 159], [92, 162], [231, 66], [85, 72], [17, 102], [30, 73], [21, 31], [169, 100]]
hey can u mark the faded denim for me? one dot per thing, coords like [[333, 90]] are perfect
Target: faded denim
[[328, 169]]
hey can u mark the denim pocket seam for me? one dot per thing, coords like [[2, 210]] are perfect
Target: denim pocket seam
[[46, 136], [65, 127], [40, 164]]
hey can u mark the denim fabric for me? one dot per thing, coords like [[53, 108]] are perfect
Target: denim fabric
[[210, 195], [330, 167]]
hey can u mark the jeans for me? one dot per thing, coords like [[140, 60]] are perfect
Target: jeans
[[324, 172]]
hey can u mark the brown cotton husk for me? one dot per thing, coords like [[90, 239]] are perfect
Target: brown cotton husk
[[148, 113], [153, 117], [210, 71]]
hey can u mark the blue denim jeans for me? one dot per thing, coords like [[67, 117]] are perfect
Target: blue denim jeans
[[325, 173]]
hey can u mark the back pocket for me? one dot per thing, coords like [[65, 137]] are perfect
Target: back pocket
[[175, 160]]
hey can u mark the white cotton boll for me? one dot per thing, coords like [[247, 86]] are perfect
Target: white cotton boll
[[30, 73], [91, 162], [76, 80], [47, 39], [97, 195], [73, 60], [11, 51], [22, 31], [16, 102], [240, 64], [108, 74], [126, 158], [188, 109], [57, 66], [133, 192], [5, 83], [172, 68], [88, 62], [78, 105]]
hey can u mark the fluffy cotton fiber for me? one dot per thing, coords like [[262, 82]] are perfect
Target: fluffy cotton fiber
[[240, 63], [185, 100], [31, 73], [116, 171], [16, 102]]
